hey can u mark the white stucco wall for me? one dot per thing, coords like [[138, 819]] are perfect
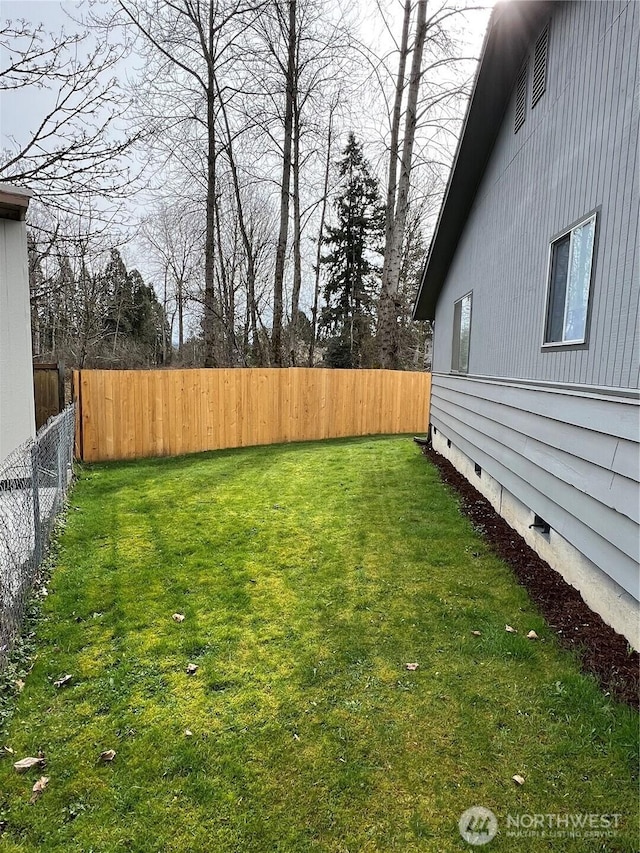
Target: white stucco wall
[[17, 415]]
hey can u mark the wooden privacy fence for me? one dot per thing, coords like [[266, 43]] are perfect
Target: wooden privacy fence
[[48, 391], [129, 414]]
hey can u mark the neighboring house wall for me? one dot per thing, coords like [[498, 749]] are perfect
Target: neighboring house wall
[[17, 415], [556, 432]]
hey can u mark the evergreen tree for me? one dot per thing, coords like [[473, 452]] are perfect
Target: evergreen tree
[[134, 317], [147, 320], [118, 318], [353, 276]]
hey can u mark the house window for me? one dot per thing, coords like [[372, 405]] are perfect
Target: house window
[[521, 99], [570, 264], [539, 84], [461, 334]]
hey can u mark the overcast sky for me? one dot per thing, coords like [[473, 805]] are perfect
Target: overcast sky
[[21, 110], [18, 111]]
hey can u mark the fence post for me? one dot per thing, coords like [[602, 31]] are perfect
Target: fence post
[[61, 468], [35, 491], [69, 444]]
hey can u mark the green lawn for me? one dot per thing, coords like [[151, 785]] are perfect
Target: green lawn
[[309, 576]]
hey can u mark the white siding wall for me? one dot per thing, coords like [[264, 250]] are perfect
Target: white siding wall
[[17, 416]]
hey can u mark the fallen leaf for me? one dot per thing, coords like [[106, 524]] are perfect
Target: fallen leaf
[[178, 617], [519, 780], [532, 635], [477, 633], [108, 755], [27, 763], [20, 685], [38, 788], [510, 630], [411, 666], [188, 733], [296, 737], [62, 681], [8, 750], [192, 668]]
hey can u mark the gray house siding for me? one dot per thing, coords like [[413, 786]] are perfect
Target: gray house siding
[[576, 152], [570, 458], [557, 428]]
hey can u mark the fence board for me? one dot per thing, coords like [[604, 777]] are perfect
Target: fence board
[[48, 387], [129, 414]]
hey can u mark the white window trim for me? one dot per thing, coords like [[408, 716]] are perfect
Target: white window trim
[[553, 344]]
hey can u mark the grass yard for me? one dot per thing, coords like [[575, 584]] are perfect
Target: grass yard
[[309, 576]]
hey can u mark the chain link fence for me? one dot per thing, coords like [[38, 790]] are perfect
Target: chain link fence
[[34, 481]]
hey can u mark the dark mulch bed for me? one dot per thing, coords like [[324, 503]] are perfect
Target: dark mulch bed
[[601, 650]]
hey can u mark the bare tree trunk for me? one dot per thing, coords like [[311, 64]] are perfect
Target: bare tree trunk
[[254, 347], [223, 297], [297, 258], [246, 240], [209, 324], [180, 306], [35, 328], [392, 186], [276, 335], [387, 310], [323, 213]]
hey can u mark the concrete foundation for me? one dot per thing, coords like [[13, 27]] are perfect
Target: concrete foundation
[[603, 595]]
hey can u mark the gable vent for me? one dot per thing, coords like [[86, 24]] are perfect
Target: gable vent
[[540, 68], [521, 99]]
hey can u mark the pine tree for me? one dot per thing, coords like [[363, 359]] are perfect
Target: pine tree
[[118, 319], [133, 318], [353, 276]]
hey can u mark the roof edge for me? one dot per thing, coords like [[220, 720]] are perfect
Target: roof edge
[[511, 27], [14, 201]]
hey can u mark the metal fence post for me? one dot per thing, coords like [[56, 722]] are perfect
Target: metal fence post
[[35, 491], [61, 472], [32, 490]]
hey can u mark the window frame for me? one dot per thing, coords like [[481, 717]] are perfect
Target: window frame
[[457, 335], [577, 342]]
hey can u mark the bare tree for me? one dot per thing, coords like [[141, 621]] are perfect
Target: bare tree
[[287, 25], [398, 197], [320, 238], [75, 149], [433, 86], [193, 41], [172, 236], [253, 348]]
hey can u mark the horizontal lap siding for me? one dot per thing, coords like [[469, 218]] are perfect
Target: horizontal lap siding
[[577, 151], [578, 472]]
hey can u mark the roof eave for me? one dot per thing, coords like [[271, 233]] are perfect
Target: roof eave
[[511, 27], [14, 202]]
